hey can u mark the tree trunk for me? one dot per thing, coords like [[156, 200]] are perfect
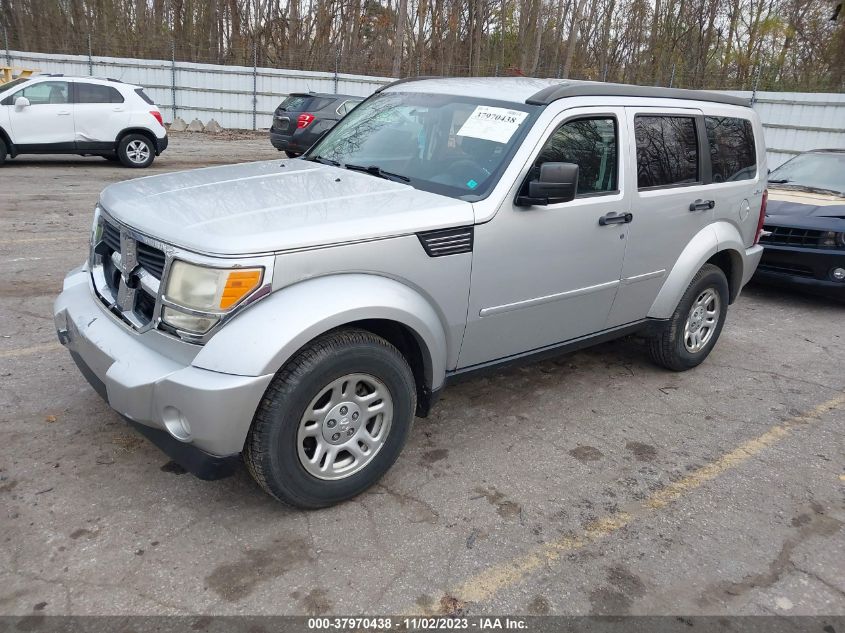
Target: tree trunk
[[399, 40]]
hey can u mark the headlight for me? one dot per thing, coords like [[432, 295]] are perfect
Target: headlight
[[206, 294], [832, 239]]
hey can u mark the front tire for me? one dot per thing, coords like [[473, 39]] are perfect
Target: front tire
[[333, 420], [692, 331], [136, 151]]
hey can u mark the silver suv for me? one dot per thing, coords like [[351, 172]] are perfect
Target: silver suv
[[300, 313]]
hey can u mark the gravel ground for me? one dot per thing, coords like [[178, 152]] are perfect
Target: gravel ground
[[594, 483]]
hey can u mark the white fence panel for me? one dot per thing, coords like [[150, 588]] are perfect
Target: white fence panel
[[794, 122], [205, 91]]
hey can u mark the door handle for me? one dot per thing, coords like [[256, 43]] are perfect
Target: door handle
[[702, 205], [117, 109], [63, 113], [616, 218]]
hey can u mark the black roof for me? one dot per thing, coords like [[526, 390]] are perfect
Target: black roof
[[596, 89]]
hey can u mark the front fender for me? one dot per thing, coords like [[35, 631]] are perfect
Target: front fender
[[266, 335]]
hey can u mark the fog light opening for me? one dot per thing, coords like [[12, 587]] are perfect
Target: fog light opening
[[176, 423], [838, 274]]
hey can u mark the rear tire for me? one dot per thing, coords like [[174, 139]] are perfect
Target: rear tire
[[333, 420], [692, 331], [3, 151], [136, 151], [293, 154]]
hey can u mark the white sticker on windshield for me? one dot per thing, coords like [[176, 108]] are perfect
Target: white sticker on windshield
[[492, 124]]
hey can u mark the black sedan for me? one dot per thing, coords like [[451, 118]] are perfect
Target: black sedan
[[804, 231], [303, 117]]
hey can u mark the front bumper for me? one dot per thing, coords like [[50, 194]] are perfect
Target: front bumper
[[802, 268], [154, 386]]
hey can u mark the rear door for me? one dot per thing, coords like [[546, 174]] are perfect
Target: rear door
[[99, 114], [671, 202], [47, 122]]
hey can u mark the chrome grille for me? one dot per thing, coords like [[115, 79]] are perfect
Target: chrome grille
[[127, 269], [151, 259]]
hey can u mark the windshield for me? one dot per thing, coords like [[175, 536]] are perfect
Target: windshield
[[446, 144], [14, 84], [821, 171]]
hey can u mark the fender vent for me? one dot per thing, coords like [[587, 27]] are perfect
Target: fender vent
[[447, 241]]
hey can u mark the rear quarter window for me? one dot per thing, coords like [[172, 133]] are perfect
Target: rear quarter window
[[733, 155], [140, 92]]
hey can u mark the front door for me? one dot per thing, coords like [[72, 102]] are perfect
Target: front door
[[47, 122], [542, 275]]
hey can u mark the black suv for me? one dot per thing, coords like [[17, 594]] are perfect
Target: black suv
[[301, 118]]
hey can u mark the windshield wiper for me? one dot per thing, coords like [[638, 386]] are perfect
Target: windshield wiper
[[323, 160], [778, 181], [375, 170]]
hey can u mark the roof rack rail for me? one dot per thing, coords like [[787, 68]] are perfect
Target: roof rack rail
[[405, 80], [598, 89]]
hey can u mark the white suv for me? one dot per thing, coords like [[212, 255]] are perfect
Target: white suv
[[54, 114]]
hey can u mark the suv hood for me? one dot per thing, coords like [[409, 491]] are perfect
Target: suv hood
[[276, 205], [785, 202]]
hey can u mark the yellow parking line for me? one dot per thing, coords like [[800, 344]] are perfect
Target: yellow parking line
[[487, 583], [28, 351]]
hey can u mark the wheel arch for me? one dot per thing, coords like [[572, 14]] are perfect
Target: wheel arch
[[137, 130], [719, 244], [266, 336], [10, 147]]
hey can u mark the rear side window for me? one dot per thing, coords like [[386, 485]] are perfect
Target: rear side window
[[95, 93], [304, 103], [347, 107], [590, 144], [140, 92], [732, 152], [667, 151]]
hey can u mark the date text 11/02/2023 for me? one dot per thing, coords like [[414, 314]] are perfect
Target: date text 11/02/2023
[[422, 623]]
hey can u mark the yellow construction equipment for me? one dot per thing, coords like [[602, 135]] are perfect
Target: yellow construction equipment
[[7, 73]]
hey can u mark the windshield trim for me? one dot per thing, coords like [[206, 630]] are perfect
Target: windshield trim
[[456, 193]]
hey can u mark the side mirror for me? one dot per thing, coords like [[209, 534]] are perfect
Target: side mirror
[[21, 103], [556, 183]]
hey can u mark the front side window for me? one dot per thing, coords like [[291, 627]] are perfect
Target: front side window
[[732, 152], [44, 93], [591, 144], [95, 93], [452, 145], [667, 151]]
